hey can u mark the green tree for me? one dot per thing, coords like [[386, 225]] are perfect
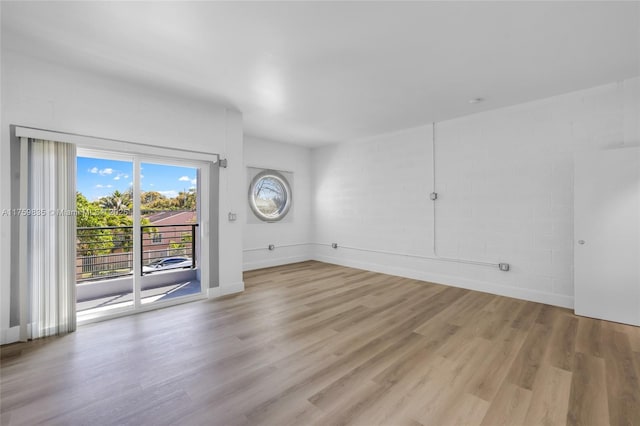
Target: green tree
[[150, 197], [103, 214], [92, 241], [118, 202], [155, 201], [185, 200], [177, 249], [112, 212]]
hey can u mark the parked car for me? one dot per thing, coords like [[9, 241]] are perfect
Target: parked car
[[168, 263]]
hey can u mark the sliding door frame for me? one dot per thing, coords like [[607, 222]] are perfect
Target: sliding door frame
[[118, 149], [202, 203]]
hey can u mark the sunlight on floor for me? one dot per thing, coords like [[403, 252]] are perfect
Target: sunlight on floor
[[91, 307]]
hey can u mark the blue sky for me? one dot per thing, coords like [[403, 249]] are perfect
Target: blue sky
[[98, 177]]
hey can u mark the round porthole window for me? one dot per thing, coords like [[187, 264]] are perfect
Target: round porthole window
[[270, 196]]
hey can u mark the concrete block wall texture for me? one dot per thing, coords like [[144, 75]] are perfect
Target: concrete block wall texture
[[505, 193], [374, 193]]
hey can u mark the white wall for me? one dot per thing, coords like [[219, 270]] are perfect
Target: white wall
[[374, 193], [504, 179], [296, 229], [53, 97]]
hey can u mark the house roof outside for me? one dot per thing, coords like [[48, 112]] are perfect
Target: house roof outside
[[173, 217]]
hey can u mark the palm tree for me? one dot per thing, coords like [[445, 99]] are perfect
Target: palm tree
[[117, 202]]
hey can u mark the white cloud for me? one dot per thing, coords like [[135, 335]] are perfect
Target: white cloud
[[117, 177], [103, 172], [188, 179], [104, 186], [170, 193]]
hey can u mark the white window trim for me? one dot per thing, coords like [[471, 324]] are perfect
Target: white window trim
[[288, 192]]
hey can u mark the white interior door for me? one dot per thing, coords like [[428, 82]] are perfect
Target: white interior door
[[607, 235]]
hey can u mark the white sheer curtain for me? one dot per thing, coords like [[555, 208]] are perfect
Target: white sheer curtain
[[48, 301]]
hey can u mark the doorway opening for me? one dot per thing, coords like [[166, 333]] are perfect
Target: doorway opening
[[139, 233]]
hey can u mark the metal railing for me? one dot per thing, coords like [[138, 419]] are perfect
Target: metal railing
[[107, 251]]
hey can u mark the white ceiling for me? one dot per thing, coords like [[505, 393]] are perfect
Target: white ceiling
[[325, 72]]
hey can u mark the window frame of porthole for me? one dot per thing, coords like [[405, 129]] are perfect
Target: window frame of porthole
[[283, 181]]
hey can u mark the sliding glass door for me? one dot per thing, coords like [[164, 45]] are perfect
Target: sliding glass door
[[139, 232], [105, 234], [169, 226]]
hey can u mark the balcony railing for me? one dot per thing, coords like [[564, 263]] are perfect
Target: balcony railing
[[107, 251]]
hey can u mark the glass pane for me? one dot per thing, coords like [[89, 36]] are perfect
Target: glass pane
[[104, 252], [270, 196], [169, 226]]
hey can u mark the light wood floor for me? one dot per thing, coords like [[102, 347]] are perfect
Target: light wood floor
[[313, 343]]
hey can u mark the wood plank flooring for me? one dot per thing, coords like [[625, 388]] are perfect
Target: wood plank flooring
[[319, 344]]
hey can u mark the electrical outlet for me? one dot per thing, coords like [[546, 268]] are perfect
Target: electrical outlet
[[232, 217], [334, 245], [272, 247], [504, 267]]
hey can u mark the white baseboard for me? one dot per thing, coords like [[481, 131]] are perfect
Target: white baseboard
[[486, 287], [10, 335], [232, 288], [225, 289], [213, 292], [267, 263]]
